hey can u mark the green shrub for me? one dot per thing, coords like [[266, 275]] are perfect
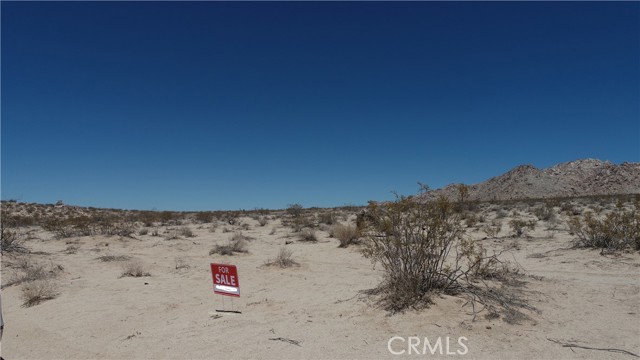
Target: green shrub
[[618, 230]]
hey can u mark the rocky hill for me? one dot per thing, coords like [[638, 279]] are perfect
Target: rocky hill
[[575, 178]]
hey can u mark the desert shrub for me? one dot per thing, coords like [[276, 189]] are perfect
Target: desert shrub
[[134, 268], [492, 230], [412, 241], [273, 230], [501, 214], [470, 219], [237, 244], [110, 258], [308, 235], [204, 217], [328, 217], [143, 231], [35, 292], [186, 232], [295, 210], [544, 213], [618, 230], [347, 234], [29, 271], [520, 227], [11, 238], [263, 221], [283, 259], [65, 228]]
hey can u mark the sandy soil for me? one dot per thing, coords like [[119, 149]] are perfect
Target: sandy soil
[[582, 297]]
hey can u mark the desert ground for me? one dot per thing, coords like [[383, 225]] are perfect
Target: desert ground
[[316, 309]]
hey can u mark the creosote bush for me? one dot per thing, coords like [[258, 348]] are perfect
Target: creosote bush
[[520, 227], [412, 241], [618, 230]]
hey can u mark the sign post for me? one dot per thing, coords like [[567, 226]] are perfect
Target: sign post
[[226, 283]]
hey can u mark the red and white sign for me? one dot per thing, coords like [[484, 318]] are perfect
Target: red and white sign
[[225, 279]]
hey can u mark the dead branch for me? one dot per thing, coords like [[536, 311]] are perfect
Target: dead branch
[[294, 342], [569, 345]]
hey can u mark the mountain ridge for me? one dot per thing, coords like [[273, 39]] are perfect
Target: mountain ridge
[[583, 177]]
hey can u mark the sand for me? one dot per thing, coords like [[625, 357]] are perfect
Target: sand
[[582, 297]]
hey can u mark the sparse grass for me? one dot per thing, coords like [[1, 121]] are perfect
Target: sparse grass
[[347, 234], [308, 235], [237, 244], [37, 291], [110, 258], [134, 268], [283, 259], [181, 263], [186, 232]]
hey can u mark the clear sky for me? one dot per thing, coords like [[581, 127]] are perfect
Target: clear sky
[[208, 105]]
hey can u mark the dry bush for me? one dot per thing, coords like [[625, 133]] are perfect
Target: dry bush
[[186, 232], [237, 244], [328, 217], [492, 230], [520, 227], [283, 259], [618, 230], [37, 291], [263, 221], [308, 235], [134, 268], [30, 270], [412, 241], [545, 213], [110, 258], [11, 238], [143, 231], [204, 217], [347, 234]]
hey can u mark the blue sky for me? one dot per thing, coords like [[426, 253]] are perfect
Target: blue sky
[[208, 105]]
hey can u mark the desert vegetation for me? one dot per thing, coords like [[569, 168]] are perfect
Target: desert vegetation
[[491, 256]]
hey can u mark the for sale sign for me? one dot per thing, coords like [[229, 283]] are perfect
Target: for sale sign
[[225, 279]]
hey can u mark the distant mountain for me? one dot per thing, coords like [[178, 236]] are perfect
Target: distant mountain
[[574, 178]]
